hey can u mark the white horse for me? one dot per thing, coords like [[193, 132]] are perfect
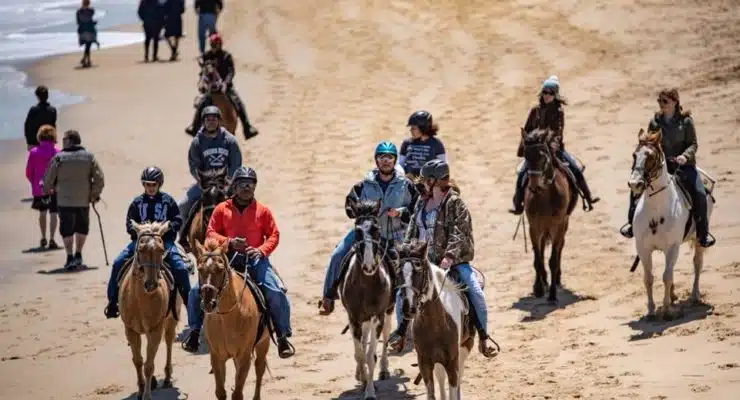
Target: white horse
[[443, 332], [661, 215]]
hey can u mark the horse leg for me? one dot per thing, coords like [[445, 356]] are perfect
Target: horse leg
[[370, 340], [242, 365], [698, 264], [453, 378], [153, 339], [384, 373], [169, 337], [441, 376], [646, 258], [359, 353], [464, 352], [218, 365], [260, 364], [426, 369], [671, 256], [134, 341], [555, 252], [540, 282]]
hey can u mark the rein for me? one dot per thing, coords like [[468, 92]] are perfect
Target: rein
[[417, 264], [649, 176]]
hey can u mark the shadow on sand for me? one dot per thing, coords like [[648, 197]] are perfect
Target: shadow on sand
[[539, 308], [61, 270], [183, 335], [40, 250], [685, 311], [167, 393], [394, 388], [27, 200]]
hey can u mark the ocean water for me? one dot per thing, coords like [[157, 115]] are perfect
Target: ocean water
[[33, 29]]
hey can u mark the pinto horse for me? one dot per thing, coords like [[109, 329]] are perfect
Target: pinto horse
[[146, 301], [443, 331], [212, 84], [232, 322], [213, 186], [661, 220], [548, 202], [366, 296]]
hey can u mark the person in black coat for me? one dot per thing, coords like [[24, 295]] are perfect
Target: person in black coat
[[152, 16], [42, 113], [173, 25]]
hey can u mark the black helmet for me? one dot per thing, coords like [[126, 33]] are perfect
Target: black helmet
[[435, 169], [152, 174], [421, 119], [244, 173], [210, 110]]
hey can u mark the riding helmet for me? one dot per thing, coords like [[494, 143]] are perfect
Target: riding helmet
[[210, 110], [421, 119], [152, 174], [244, 173], [435, 169], [386, 147]]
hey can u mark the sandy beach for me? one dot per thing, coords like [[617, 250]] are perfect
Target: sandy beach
[[324, 81]]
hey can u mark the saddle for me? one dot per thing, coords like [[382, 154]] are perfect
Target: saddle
[[164, 273], [687, 200], [259, 298]]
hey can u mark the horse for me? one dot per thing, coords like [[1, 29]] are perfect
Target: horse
[[235, 328], [213, 186], [444, 333], [548, 202], [366, 293], [146, 302], [662, 219], [212, 85]]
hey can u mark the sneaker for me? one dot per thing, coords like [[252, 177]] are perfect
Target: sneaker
[[78, 260], [70, 263], [43, 243], [53, 245]]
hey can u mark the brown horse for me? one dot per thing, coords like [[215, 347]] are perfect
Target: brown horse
[[232, 320], [145, 302], [213, 187], [212, 84], [443, 331], [548, 202]]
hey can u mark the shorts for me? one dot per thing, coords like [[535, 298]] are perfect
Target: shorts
[[74, 220], [45, 203]]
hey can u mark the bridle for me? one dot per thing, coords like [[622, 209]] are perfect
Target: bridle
[[378, 244], [548, 171], [649, 176], [224, 284], [136, 251], [418, 265]]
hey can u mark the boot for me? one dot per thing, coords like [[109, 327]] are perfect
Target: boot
[[326, 306], [518, 201], [285, 349], [581, 182], [192, 342], [703, 237], [249, 130], [397, 341], [486, 350], [626, 229], [192, 130], [111, 311]]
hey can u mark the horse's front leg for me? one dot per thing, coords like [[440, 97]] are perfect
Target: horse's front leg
[[242, 365], [384, 372], [555, 253], [426, 369], [359, 351], [540, 279], [440, 375], [646, 258], [218, 364], [370, 340], [698, 265], [671, 256], [134, 341], [153, 339]]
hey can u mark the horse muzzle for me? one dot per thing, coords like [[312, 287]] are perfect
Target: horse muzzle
[[208, 305], [637, 186], [150, 286]]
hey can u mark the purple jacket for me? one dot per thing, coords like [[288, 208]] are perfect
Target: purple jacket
[[38, 161]]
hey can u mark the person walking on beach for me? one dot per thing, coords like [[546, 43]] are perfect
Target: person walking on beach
[[38, 161], [208, 11], [151, 13], [40, 114], [87, 33], [77, 179], [173, 25]]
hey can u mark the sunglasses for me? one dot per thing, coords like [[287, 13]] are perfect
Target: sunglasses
[[548, 93], [244, 185], [662, 100], [385, 157], [150, 184]]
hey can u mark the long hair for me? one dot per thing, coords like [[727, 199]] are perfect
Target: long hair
[[672, 94]]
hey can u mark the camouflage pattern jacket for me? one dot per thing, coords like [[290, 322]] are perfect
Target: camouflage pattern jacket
[[453, 230]]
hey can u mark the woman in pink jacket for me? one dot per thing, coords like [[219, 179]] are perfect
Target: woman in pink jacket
[[38, 160]]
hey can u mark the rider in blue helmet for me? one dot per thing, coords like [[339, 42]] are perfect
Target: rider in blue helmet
[[397, 195]]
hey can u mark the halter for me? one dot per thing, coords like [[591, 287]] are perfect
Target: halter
[[651, 175], [417, 263], [136, 251], [548, 171]]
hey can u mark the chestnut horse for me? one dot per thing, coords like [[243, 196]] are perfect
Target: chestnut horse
[[232, 320], [145, 302], [213, 187], [212, 84], [549, 200]]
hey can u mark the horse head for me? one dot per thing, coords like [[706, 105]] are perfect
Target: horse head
[[213, 187], [367, 235], [538, 151], [213, 272], [210, 78], [647, 160], [415, 275], [149, 255]]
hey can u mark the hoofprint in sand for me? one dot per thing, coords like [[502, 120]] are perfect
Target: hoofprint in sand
[[325, 81]]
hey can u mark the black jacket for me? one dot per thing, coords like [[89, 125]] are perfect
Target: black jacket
[[162, 207], [40, 114], [224, 63]]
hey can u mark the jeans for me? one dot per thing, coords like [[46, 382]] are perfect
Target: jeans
[[172, 258], [277, 301], [191, 196], [206, 22], [335, 262]]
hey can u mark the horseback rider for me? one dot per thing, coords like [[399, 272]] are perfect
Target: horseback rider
[[154, 206], [225, 67], [548, 113], [212, 148], [423, 145], [397, 195], [250, 229], [442, 219], [679, 146]]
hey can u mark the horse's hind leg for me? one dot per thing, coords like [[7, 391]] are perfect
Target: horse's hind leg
[[440, 375], [426, 369], [134, 341], [540, 279], [260, 364], [698, 264], [153, 339], [242, 365], [384, 372], [555, 253], [370, 340]]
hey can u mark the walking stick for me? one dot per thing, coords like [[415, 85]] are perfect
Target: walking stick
[[102, 236]]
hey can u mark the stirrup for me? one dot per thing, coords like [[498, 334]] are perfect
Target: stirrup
[[285, 353], [626, 231], [488, 352], [708, 241]]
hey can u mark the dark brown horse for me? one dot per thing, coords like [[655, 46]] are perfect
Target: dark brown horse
[[211, 83], [213, 186], [548, 202]]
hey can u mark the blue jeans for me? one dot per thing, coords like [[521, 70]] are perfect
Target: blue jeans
[[173, 259], [277, 302], [206, 22], [187, 202], [334, 268]]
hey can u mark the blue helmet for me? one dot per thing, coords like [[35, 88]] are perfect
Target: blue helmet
[[386, 147]]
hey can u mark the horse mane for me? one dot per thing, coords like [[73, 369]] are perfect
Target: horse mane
[[365, 208]]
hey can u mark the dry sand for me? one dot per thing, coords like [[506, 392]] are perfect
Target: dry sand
[[324, 81]]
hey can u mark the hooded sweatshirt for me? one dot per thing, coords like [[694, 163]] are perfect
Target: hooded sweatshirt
[[38, 161]]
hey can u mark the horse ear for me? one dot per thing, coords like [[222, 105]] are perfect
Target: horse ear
[[199, 249], [423, 248], [164, 227], [524, 133], [640, 133], [136, 226], [658, 136], [376, 210]]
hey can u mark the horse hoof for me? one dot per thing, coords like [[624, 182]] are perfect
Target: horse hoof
[[153, 383], [384, 375], [167, 383]]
